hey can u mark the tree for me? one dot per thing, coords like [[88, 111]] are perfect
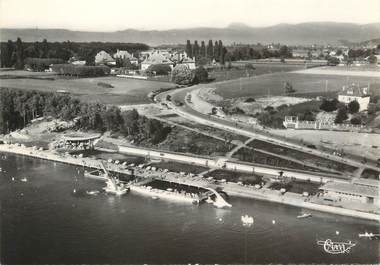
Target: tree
[[196, 50], [356, 120], [189, 49], [216, 51], [221, 52], [329, 105], [332, 61], [44, 49], [372, 59], [159, 69], [210, 50], [200, 75], [7, 50], [288, 87], [285, 52], [341, 115], [202, 52], [19, 54], [353, 107], [182, 75]]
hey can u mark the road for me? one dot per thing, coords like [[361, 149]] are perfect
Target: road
[[187, 111]]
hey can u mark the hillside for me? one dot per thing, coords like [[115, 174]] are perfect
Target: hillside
[[304, 33]]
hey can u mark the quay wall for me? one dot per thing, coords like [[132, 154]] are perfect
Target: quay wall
[[232, 189], [295, 200]]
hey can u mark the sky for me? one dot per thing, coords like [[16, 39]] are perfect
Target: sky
[[112, 15]]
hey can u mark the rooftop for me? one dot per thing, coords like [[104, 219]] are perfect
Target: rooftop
[[354, 91], [157, 58]]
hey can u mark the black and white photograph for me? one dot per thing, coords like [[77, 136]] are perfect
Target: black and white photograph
[[189, 132]]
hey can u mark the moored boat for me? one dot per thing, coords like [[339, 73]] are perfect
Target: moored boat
[[304, 215]]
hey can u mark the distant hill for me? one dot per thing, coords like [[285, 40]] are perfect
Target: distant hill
[[367, 43], [304, 33]]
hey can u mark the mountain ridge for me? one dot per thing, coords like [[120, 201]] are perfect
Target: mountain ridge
[[292, 34]]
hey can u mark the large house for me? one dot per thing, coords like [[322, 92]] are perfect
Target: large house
[[125, 55], [103, 57], [155, 58], [353, 93]]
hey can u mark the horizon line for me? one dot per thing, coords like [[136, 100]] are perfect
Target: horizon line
[[232, 24]]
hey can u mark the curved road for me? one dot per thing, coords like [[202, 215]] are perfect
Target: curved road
[[188, 112]]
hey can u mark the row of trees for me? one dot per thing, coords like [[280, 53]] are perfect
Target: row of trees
[[206, 53], [333, 105], [80, 70], [19, 107], [13, 53], [40, 64], [248, 53]]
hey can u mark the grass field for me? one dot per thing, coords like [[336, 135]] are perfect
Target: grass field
[[260, 69], [273, 84], [248, 155], [186, 141], [302, 156], [124, 91]]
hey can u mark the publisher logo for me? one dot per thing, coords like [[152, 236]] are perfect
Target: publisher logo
[[336, 247]]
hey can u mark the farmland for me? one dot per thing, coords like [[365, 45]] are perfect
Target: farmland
[[304, 84], [123, 91]]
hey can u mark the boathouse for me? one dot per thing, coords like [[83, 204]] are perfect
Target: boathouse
[[78, 142], [359, 190]]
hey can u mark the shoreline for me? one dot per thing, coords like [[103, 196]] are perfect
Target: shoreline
[[231, 189]]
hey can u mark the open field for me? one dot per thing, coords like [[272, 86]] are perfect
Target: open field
[[260, 69], [186, 141], [204, 128], [254, 156], [360, 144], [124, 91], [367, 71], [273, 84]]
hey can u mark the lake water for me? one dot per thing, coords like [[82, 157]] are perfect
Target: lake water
[[43, 221]]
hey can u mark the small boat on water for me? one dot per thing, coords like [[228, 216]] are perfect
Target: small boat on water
[[155, 198], [304, 215], [247, 220], [24, 179], [370, 235], [93, 192]]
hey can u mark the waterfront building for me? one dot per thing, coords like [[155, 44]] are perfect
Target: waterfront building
[[77, 142], [364, 191]]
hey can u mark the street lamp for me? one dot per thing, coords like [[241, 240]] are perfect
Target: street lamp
[[247, 222]]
